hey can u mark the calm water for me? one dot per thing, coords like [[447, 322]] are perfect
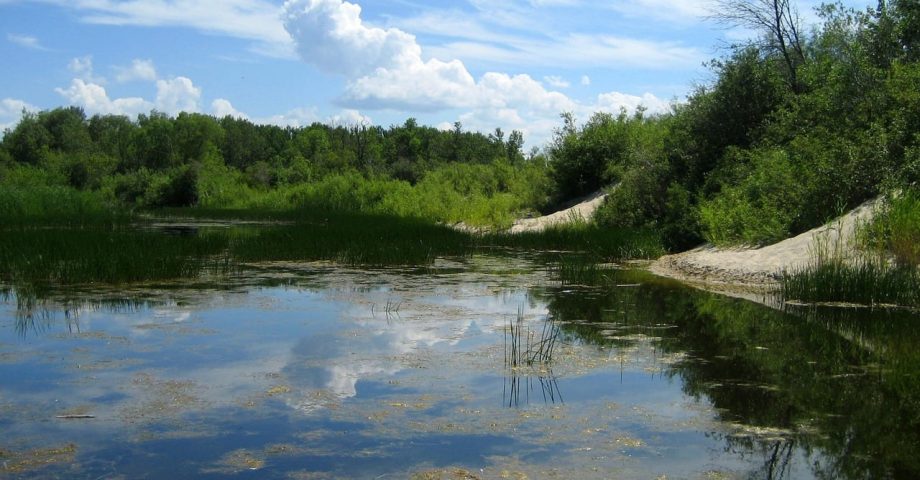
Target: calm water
[[317, 371]]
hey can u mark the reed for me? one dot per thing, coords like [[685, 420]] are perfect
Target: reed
[[866, 280], [60, 206], [604, 244], [524, 348]]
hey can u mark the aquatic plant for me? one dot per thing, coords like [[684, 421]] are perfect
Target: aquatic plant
[[866, 280], [523, 348]]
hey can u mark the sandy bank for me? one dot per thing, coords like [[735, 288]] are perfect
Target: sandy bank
[[583, 210], [762, 267]]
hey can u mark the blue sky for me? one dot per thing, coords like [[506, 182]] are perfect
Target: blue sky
[[513, 64]]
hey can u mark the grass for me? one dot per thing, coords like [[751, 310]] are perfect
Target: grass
[[886, 273], [120, 255], [605, 245], [61, 206], [866, 281], [896, 230], [116, 253]]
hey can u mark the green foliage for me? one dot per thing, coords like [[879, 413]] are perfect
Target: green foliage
[[759, 210]]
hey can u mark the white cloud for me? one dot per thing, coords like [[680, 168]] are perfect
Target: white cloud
[[385, 69], [177, 95], [329, 33], [585, 80], [95, 100], [82, 67], [297, 117], [556, 81], [350, 117], [11, 112], [27, 41], [221, 108], [613, 102], [139, 70], [256, 20]]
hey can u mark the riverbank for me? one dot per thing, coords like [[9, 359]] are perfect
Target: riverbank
[[762, 267]]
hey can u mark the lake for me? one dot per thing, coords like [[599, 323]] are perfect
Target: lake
[[486, 366]]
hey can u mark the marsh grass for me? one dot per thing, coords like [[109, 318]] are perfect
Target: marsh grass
[[866, 281], [72, 256], [144, 251], [602, 243], [839, 272], [60, 206], [580, 270]]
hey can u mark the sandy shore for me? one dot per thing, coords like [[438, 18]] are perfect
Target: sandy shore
[[762, 267]]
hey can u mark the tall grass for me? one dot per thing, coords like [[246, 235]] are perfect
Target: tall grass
[[843, 273], [72, 256], [64, 206], [896, 230], [866, 280], [604, 244]]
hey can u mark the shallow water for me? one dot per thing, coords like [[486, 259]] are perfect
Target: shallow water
[[317, 371]]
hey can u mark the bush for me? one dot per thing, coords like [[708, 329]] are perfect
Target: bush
[[761, 209]]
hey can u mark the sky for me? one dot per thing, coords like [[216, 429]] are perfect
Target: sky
[[509, 64]]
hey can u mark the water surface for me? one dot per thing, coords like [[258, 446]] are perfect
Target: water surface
[[312, 370]]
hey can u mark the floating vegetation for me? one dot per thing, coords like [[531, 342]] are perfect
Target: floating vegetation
[[21, 462], [445, 474]]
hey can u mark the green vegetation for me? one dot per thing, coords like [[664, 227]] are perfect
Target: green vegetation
[[897, 228], [795, 129], [885, 271], [37, 257], [867, 280], [110, 162]]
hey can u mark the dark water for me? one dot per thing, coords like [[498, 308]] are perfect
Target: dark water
[[317, 371]]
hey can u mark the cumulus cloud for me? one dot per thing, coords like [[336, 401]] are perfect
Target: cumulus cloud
[[615, 101], [384, 68], [139, 70], [82, 67], [177, 95], [95, 100], [223, 108], [329, 33], [11, 112]]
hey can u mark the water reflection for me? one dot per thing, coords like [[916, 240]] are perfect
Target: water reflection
[[354, 369], [836, 390]]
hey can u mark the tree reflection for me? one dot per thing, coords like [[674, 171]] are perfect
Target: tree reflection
[[838, 388]]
